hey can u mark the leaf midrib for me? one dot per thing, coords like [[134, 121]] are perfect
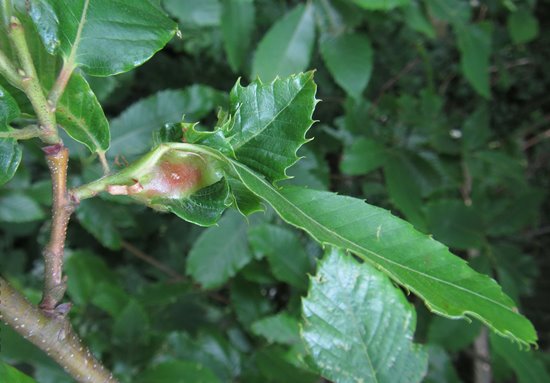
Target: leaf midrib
[[356, 246]]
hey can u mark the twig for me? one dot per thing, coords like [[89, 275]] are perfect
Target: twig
[[70, 63], [31, 85], [25, 133], [537, 139], [104, 163], [57, 157], [482, 369], [8, 71], [392, 81], [152, 261], [53, 335]]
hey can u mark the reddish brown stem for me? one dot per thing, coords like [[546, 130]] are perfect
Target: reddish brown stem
[[57, 157], [53, 334]]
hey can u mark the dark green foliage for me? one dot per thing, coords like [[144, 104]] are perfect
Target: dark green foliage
[[434, 109]]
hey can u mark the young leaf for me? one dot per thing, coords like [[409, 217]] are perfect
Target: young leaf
[[220, 252], [358, 326], [237, 24], [445, 282], [10, 151], [106, 37], [287, 46], [349, 59], [270, 122], [81, 115]]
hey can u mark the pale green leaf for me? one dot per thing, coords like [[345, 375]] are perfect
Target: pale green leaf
[[445, 282], [106, 37], [349, 59], [358, 326], [384, 5], [363, 156], [178, 372], [270, 122], [287, 46], [237, 25], [523, 27], [287, 258], [81, 115], [474, 43], [220, 252]]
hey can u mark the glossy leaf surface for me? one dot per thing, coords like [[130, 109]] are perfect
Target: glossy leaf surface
[[270, 122], [106, 37], [10, 151], [358, 326]]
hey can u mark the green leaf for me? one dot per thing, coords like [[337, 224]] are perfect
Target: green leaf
[[417, 20], [453, 11], [132, 326], [358, 326], [270, 122], [86, 271], [285, 254], [195, 13], [220, 252], [248, 301], [455, 224], [349, 59], [475, 130], [204, 207], [474, 43], [16, 207], [178, 372], [10, 151], [46, 22], [237, 25], [525, 364], [523, 27], [10, 374], [106, 37], [286, 48], [81, 115], [445, 282], [210, 349], [440, 367], [277, 364], [102, 219], [132, 130], [453, 335], [278, 328], [363, 156], [381, 5]]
